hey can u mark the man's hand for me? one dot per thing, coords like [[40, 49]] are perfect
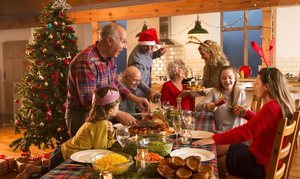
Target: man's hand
[[126, 119], [211, 107], [163, 50], [143, 103]]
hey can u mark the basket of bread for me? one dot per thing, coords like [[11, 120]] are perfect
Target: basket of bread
[[190, 167]]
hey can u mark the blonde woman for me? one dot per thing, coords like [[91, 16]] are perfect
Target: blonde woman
[[214, 58]]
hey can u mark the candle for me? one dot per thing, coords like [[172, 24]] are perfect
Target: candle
[[141, 158]]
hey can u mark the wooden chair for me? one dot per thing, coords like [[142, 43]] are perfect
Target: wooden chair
[[285, 154], [279, 153], [256, 104]]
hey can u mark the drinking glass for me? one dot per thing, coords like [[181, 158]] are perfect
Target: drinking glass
[[176, 124], [188, 120], [123, 135], [186, 136]]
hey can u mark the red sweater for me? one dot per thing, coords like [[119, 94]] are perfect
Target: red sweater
[[170, 92], [261, 128]]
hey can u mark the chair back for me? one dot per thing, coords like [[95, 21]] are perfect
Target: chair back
[[256, 103], [284, 132]]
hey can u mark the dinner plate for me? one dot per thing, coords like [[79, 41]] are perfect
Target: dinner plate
[[201, 134], [85, 155], [205, 155]]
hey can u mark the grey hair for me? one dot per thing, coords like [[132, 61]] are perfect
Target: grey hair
[[173, 67], [110, 30]]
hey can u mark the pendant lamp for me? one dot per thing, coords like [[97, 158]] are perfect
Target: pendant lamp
[[198, 29], [145, 27]]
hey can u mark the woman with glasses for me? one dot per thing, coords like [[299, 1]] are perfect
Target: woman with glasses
[[172, 89], [214, 59], [252, 161]]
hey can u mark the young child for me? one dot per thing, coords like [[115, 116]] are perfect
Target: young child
[[252, 161], [96, 133], [234, 95]]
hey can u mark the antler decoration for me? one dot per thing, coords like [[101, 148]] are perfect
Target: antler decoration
[[259, 50], [192, 38], [271, 50]]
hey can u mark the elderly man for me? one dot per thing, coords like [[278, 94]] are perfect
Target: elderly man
[[94, 67], [142, 57], [131, 79]]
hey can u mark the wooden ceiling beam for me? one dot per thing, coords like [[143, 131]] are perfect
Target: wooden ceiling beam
[[111, 10]]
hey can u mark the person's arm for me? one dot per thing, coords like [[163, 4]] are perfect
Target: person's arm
[[145, 88], [142, 103], [126, 119], [158, 53], [203, 104]]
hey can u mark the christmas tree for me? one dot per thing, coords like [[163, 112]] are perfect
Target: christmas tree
[[42, 93]]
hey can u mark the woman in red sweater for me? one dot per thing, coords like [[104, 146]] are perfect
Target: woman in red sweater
[[252, 161]]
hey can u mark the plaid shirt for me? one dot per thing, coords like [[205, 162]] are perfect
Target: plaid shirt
[[87, 71]]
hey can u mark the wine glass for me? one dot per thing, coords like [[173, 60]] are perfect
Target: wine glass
[[177, 124], [188, 120], [123, 135]]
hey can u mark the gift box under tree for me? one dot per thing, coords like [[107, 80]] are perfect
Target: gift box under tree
[[7, 164]]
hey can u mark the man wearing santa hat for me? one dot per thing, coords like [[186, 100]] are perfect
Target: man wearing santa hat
[[142, 57]]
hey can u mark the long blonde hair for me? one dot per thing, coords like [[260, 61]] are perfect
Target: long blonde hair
[[278, 89], [217, 55], [100, 112]]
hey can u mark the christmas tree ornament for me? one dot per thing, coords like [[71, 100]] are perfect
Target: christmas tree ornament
[[41, 88], [63, 23], [60, 4], [32, 87], [69, 36], [55, 23], [57, 43], [49, 26], [73, 41], [62, 14], [67, 61], [50, 36], [58, 129], [55, 78], [63, 47], [32, 110], [17, 101], [42, 124], [44, 50], [32, 124]]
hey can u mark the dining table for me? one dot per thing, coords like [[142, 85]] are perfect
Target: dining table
[[204, 121]]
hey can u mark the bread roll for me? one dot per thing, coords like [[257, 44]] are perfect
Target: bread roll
[[183, 173], [201, 175], [193, 162]]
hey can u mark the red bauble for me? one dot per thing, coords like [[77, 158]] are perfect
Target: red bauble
[[49, 64], [17, 101], [73, 41], [32, 87], [32, 110], [41, 88], [67, 61]]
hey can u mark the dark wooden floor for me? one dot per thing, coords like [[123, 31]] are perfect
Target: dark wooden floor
[[7, 135]]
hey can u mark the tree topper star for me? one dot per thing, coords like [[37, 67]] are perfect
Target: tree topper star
[[60, 4]]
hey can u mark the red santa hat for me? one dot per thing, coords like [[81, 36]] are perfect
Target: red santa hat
[[148, 37]]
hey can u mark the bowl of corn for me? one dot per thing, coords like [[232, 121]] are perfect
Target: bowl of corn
[[116, 163]]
